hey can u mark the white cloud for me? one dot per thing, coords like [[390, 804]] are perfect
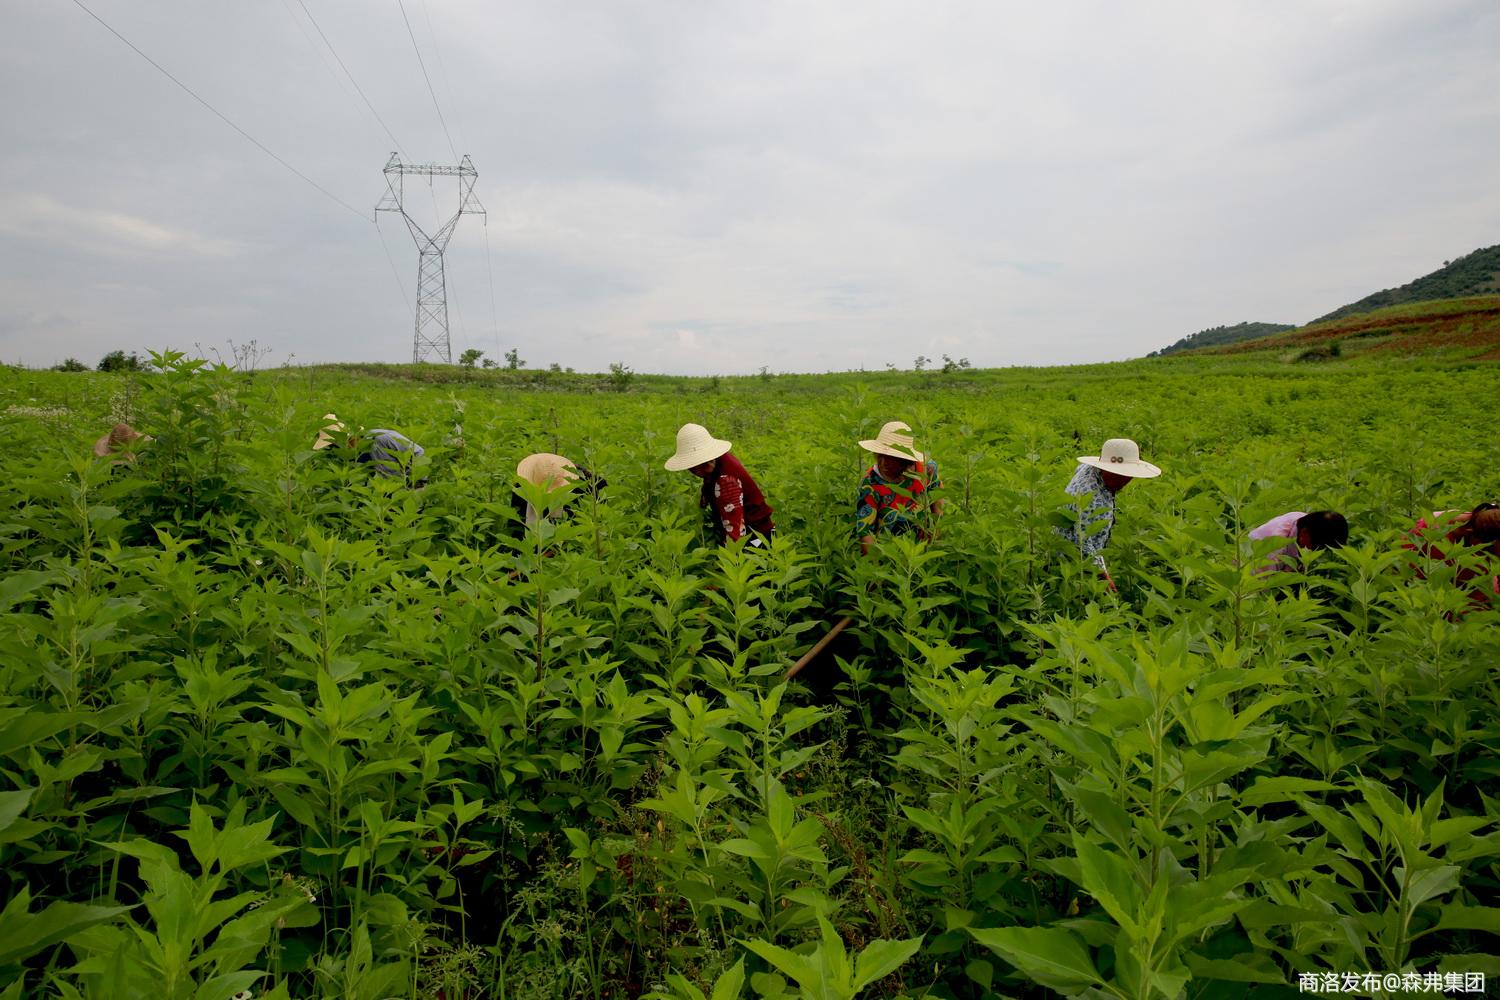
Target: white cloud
[[101, 231]]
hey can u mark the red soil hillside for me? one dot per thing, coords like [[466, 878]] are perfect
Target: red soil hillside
[[1458, 328]]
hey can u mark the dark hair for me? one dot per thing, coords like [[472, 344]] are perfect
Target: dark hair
[[1326, 529], [1484, 524]]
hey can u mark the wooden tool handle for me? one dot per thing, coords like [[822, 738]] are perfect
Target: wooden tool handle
[[842, 624]]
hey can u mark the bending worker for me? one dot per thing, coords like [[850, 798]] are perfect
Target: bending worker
[[387, 452], [894, 495], [1100, 477], [735, 503], [1321, 529], [1477, 529], [120, 444], [553, 472]]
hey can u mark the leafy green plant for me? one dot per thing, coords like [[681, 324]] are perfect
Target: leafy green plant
[[827, 972]]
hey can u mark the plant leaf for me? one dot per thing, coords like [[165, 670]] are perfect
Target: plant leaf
[[1050, 956]]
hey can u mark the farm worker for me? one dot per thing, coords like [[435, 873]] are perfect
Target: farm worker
[[387, 452], [1321, 529], [894, 495], [1100, 477], [737, 507], [1477, 528], [118, 443], [553, 472]]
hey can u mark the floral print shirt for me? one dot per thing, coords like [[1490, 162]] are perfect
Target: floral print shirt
[[896, 507], [734, 501], [1089, 481]]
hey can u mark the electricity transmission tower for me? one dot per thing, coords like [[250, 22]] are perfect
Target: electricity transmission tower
[[431, 335]]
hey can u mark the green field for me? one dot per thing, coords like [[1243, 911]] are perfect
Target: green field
[[272, 728]]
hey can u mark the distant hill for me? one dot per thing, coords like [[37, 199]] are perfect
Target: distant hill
[[1477, 273], [1220, 336], [1467, 328]]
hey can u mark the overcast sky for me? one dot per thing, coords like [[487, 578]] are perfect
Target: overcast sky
[[714, 187]]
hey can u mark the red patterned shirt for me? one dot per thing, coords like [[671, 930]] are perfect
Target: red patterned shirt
[[734, 501]]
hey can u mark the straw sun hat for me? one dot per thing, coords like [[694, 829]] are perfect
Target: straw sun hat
[[694, 447], [1121, 456], [325, 436], [119, 436], [546, 469], [895, 440]]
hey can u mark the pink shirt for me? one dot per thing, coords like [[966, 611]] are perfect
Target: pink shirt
[[1284, 526]]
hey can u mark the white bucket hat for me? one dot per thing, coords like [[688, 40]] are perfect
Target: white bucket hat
[[546, 469], [1121, 456], [694, 447], [895, 440], [325, 436]]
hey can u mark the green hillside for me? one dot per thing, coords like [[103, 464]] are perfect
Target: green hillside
[[1219, 336], [1473, 275], [1477, 273], [1457, 329]]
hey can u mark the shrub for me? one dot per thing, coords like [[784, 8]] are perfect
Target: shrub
[[119, 361]]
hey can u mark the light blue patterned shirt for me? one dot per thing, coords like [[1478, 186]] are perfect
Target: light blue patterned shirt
[[388, 453], [1089, 481]]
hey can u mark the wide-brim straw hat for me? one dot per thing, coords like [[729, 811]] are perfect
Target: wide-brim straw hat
[[546, 469], [118, 437], [325, 436], [1121, 456], [895, 439], [694, 447]]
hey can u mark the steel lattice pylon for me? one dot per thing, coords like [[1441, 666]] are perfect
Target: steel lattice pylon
[[431, 334]]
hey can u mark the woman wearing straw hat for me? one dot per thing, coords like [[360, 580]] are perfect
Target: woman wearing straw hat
[[387, 452], [552, 472], [894, 493], [729, 494], [1100, 477], [120, 443]]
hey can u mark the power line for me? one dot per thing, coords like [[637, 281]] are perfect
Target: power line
[[312, 44], [458, 314], [442, 67], [417, 49], [490, 268], [350, 75], [218, 114], [386, 247]]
